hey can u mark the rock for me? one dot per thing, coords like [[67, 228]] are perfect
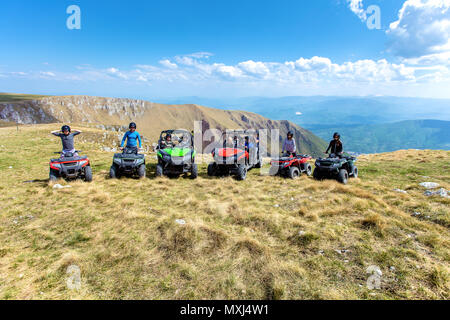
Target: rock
[[400, 191], [301, 233], [392, 268], [10, 167], [441, 192], [321, 252], [58, 186], [180, 221], [416, 214], [276, 206], [429, 185]]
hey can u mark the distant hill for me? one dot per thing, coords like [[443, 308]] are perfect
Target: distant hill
[[418, 134], [311, 112], [151, 117]]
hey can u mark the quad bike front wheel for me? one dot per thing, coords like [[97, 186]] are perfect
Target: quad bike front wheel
[[241, 172], [294, 172], [212, 169], [53, 175], [194, 171], [343, 176], [141, 171], [88, 174], [355, 172], [308, 169], [159, 170], [317, 174], [113, 172]]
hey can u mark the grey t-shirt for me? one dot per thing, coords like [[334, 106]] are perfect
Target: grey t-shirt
[[67, 141]]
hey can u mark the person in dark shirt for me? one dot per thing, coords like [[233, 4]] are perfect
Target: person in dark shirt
[[335, 146], [66, 135]]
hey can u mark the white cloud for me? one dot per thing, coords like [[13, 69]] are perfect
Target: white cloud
[[357, 7], [257, 69], [421, 35], [116, 72], [47, 74], [166, 63], [316, 75]]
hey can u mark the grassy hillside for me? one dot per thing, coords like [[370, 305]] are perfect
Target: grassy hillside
[[151, 118], [263, 238], [14, 97], [419, 134]]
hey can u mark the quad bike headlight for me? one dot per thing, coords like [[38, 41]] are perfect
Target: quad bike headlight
[[83, 162], [56, 166]]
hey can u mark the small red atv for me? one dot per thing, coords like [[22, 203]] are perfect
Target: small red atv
[[70, 166], [291, 166]]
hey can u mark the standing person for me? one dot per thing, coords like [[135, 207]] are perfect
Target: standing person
[[289, 145], [132, 137], [66, 135], [336, 147]]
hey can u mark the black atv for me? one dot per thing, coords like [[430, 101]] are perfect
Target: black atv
[[176, 154], [335, 167], [236, 157], [128, 163], [70, 166]]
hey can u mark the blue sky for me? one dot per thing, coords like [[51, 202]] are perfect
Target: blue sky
[[150, 49]]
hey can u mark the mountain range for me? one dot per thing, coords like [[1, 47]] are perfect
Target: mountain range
[[151, 117], [367, 124]]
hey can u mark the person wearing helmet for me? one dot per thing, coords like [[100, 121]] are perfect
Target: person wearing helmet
[[289, 146], [67, 139], [335, 146], [132, 137], [167, 142]]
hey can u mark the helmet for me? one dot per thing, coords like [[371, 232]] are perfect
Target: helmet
[[132, 125], [336, 134], [65, 128]]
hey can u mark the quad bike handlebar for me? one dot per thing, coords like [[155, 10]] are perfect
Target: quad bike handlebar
[[62, 152]]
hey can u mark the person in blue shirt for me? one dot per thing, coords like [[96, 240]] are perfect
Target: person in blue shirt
[[132, 137]]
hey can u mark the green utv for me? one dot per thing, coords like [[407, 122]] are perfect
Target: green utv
[[176, 154]]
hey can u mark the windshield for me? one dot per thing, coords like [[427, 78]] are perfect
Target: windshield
[[175, 138]]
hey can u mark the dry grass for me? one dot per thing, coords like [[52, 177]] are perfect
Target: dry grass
[[263, 238]]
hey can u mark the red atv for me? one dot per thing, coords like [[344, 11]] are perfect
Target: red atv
[[236, 157], [291, 166], [70, 166]]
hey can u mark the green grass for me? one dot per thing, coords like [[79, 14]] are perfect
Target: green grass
[[241, 240], [14, 97]]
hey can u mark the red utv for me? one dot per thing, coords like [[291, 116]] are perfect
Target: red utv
[[290, 166], [236, 157]]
